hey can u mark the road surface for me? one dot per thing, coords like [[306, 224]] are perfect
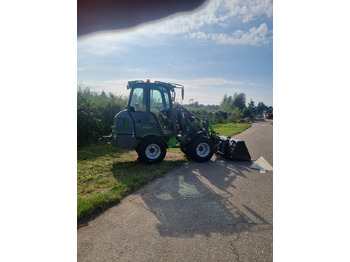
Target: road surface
[[214, 211]]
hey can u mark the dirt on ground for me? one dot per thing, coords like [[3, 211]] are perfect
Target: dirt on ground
[[170, 155]]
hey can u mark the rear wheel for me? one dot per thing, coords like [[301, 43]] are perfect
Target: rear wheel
[[201, 149], [152, 150]]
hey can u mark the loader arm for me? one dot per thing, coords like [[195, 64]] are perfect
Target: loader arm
[[189, 114], [230, 148]]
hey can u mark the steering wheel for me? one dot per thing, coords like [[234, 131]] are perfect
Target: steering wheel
[[167, 113], [163, 114]]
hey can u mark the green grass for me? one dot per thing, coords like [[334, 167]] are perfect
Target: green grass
[[230, 129], [106, 174]]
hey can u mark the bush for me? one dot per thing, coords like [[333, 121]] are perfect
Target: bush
[[235, 116], [95, 113], [247, 112]]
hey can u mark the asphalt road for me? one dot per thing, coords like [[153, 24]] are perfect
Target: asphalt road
[[214, 211]]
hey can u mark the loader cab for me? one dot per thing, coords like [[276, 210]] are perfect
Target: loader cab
[[151, 107]]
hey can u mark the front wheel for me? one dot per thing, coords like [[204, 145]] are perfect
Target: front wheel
[[201, 149], [152, 150]]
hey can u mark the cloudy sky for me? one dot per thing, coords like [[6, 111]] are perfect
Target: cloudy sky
[[222, 48]]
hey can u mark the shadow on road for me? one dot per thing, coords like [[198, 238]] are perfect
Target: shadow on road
[[199, 201]]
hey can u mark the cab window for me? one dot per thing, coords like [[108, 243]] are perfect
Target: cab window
[[160, 107], [138, 102]]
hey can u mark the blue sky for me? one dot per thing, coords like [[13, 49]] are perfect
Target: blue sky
[[222, 48]]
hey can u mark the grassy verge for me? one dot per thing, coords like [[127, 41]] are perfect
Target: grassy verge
[[106, 174], [230, 129]]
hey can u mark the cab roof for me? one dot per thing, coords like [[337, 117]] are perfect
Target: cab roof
[[169, 86]]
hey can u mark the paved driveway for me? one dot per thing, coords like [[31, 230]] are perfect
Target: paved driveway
[[215, 211]]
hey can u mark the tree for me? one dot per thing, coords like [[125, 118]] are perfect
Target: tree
[[247, 112], [235, 115], [239, 101], [226, 104], [260, 108], [251, 104]]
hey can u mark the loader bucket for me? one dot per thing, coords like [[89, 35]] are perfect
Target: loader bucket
[[233, 149]]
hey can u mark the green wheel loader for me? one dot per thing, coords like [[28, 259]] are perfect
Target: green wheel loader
[[153, 122]]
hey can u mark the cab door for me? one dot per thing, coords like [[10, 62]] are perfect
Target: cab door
[[160, 107], [145, 122]]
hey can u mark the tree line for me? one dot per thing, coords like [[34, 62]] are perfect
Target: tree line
[[231, 109]]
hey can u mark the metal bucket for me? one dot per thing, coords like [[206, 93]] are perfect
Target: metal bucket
[[233, 149]]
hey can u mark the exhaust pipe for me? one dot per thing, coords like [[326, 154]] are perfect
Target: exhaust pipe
[[233, 149]]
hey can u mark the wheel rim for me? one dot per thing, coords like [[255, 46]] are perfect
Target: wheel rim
[[203, 149], [153, 151]]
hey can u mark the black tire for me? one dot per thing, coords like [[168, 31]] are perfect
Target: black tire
[[152, 150], [201, 149], [184, 149]]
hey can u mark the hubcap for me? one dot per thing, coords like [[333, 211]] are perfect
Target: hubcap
[[203, 149], [153, 151]]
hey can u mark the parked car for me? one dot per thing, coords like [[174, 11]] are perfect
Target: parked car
[[259, 117]]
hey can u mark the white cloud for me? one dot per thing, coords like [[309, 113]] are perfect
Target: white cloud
[[117, 87], [211, 90], [99, 45], [248, 10], [199, 35], [255, 36], [217, 16], [217, 12], [210, 82]]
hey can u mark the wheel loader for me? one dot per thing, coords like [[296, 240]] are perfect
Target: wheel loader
[[153, 122]]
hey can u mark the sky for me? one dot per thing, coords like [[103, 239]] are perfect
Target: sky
[[224, 47]]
